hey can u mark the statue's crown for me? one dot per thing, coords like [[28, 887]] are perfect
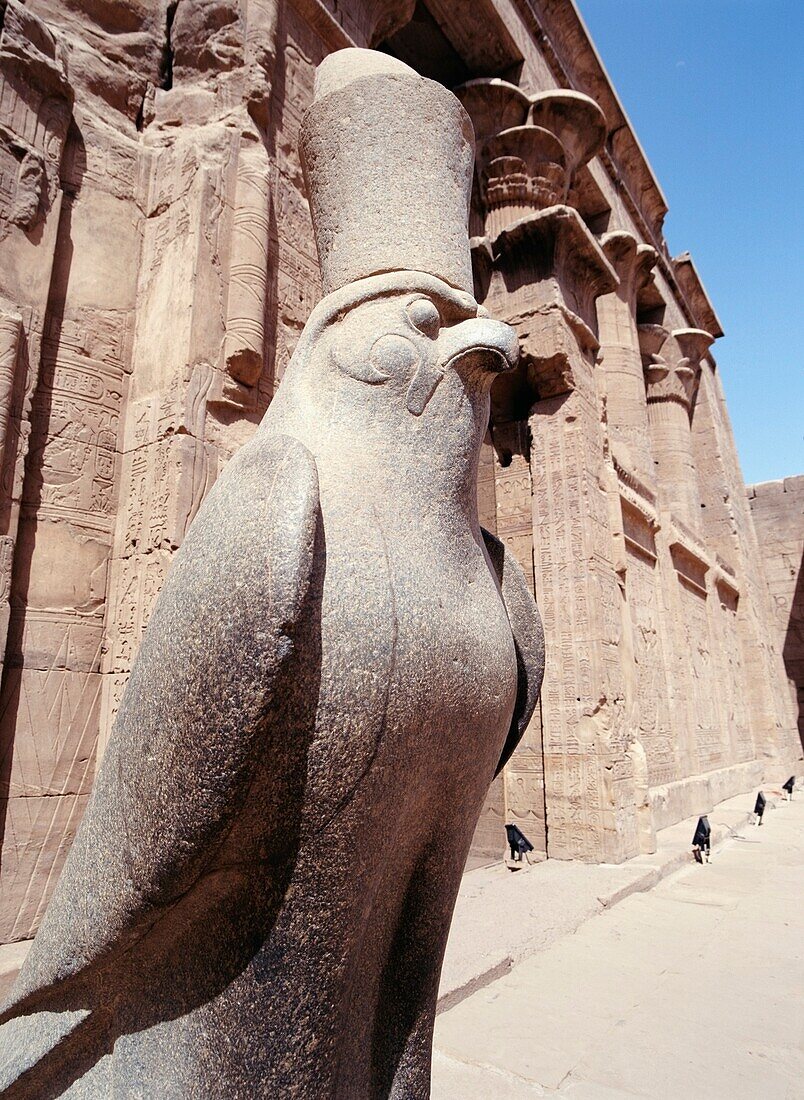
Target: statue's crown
[[387, 158]]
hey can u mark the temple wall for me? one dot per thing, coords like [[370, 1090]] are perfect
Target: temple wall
[[157, 266], [777, 509]]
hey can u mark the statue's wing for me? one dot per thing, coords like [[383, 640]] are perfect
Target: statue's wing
[[207, 706], [526, 626]]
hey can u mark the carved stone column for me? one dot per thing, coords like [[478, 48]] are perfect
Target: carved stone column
[[244, 342], [538, 266], [620, 355], [671, 361]]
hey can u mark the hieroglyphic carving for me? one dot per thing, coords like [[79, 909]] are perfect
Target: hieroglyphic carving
[[514, 494], [486, 488], [167, 469], [76, 469], [524, 786], [652, 695], [701, 711], [732, 675], [51, 687], [55, 713], [582, 698]]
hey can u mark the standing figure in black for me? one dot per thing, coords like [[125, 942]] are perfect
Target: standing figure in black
[[518, 843], [701, 841]]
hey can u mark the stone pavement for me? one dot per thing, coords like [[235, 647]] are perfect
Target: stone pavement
[[694, 988], [502, 917]]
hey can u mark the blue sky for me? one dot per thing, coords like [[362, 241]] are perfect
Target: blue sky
[[715, 92]]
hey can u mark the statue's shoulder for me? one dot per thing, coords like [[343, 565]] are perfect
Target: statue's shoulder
[[272, 478], [280, 457], [262, 513]]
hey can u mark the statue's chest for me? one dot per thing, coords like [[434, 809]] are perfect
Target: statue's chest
[[414, 630]]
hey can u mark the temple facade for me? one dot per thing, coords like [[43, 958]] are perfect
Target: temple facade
[[157, 265]]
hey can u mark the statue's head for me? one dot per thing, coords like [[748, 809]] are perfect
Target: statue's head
[[388, 159], [400, 340]]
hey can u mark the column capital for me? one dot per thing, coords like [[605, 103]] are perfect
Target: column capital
[[575, 119], [521, 170], [528, 148], [493, 105], [632, 260], [671, 362]]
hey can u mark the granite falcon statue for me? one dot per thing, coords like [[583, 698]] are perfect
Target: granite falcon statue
[[258, 899]]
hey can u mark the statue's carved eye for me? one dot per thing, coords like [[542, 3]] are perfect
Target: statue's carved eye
[[393, 355], [425, 316]]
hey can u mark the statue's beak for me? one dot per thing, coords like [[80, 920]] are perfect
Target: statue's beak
[[480, 342]]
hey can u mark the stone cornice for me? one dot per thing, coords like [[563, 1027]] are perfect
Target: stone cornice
[[690, 282], [371, 20], [324, 23], [683, 542], [726, 580], [478, 34], [638, 504], [634, 486]]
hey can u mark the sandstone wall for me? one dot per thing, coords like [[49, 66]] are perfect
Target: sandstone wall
[[156, 268], [777, 509]]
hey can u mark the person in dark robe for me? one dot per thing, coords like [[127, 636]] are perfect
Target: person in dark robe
[[788, 786], [518, 843], [702, 840], [759, 807]]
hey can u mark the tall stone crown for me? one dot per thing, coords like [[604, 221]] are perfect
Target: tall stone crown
[[387, 159]]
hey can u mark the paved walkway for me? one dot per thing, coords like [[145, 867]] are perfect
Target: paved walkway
[[692, 989], [502, 918]]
